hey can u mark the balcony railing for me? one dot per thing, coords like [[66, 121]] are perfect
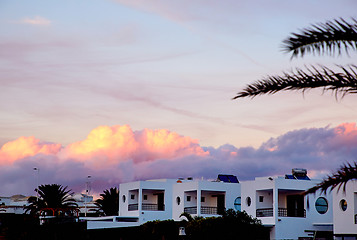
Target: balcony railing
[[133, 207], [282, 212], [146, 207], [209, 210], [152, 207], [264, 212], [204, 210], [190, 210]]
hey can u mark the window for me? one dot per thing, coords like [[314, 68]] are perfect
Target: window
[[178, 200], [188, 198], [145, 197], [343, 205], [237, 204], [123, 198], [132, 196], [261, 198], [321, 205], [203, 199], [248, 201]]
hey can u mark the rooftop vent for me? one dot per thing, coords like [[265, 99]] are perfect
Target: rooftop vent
[[227, 178]]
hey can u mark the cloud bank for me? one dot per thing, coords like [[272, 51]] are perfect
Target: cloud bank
[[115, 154]]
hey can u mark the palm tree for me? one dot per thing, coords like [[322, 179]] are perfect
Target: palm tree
[[330, 37], [108, 202], [187, 216], [338, 179], [51, 196]]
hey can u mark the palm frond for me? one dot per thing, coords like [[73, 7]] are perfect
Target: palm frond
[[339, 179], [322, 38], [187, 216], [51, 196], [342, 82], [108, 202]]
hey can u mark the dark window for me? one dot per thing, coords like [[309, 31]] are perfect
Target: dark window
[[237, 204], [145, 197], [203, 199], [321, 205], [248, 201], [132, 196], [178, 200], [261, 198], [343, 205], [188, 198]]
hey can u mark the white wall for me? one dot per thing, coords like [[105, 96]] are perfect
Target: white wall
[[195, 188], [138, 188], [344, 220]]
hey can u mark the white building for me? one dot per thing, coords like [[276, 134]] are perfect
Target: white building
[[14, 204], [164, 199], [345, 211], [279, 203], [204, 198]]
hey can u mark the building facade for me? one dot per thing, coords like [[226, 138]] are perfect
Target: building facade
[[280, 204]]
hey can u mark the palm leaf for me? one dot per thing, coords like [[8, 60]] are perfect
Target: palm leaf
[[50, 196], [108, 202], [322, 38], [342, 82], [339, 179]]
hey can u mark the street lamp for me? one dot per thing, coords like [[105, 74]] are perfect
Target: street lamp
[[86, 195], [37, 180]]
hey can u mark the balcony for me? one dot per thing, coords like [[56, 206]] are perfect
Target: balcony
[[204, 210], [133, 207], [282, 212], [146, 207], [152, 207], [190, 210]]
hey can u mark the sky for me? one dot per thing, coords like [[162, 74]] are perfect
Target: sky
[[126, 90]]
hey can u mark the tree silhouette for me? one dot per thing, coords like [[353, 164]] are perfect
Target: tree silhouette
[[108, 202], [324, 38], [52, 196]]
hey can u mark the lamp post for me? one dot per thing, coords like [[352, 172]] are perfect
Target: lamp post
[[86, 195], [37, 180]]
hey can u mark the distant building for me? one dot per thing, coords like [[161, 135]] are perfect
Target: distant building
[[86, 204], [14, 204]]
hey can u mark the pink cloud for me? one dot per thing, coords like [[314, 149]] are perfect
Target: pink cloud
[[37, 20], [115, 154], [25, 147], [116, 144]]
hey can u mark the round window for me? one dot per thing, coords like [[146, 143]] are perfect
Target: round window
[[248, 201], [124, 198], [237, 204], [343, 205], [321, 205], [178, 200]]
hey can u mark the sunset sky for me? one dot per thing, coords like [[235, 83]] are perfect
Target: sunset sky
[[125, 90]]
